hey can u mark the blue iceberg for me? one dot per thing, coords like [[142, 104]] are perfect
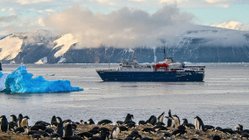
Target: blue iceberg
[[20, 81]]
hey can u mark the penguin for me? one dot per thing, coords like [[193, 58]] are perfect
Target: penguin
[[60, 129], [130, 124], [104, 129], [119, 122], [13, 123], [134, 135], [43, 123], [104, 135], [37, 127], [159, 127], [227, 131], [68, 131], [82, 122], [149, 130], [160, 118], [4, 123], [239, 128], [245, 135], [179, 131], [175, 121], [13, 118], [90, 121], [123, 128], [152, 120], [216, 137], [85, 135], [187, 124], [36, 136], [104, 122], [49, 131], [128, 118], [141, 122], [54, 121], [59, 120], [208, 127], [146, 138], [115, 132], [169, 122], [166, 135], [94, 130], [20, 117], [24, 122], [199, 125], [19, 130]]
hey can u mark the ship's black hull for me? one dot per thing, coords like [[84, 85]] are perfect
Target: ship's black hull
[[151, 76]]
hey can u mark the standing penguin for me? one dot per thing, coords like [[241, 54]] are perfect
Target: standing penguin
[[115, 132], [239, 128], [128, 118], [20, 117], [160, 118], [54, 121], [176, 121], [169, 123], [24, 122], [199, 125], [60, 127], [14, 118], [68, 131], [4, 123], [13, 122]]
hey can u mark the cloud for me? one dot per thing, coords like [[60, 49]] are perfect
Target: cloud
[[8, 19], [235, 25], [40, 22], [137, 0], [175, 2], [227, 2], [8, 11], [222, 3], [27, 2], [106, 2], [122, 28]]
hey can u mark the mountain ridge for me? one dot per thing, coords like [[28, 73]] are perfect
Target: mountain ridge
[[203, 44]]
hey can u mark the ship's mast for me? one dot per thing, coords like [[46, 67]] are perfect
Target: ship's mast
[[163, 41]]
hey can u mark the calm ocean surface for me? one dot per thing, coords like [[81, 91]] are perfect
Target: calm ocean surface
[[222, 100]]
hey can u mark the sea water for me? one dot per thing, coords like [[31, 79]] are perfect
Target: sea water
[[222, 100]]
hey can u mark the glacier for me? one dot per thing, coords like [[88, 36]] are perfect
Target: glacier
[[21, 81]]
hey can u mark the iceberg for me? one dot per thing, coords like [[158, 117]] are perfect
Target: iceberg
[[3, 77], [21, 81]]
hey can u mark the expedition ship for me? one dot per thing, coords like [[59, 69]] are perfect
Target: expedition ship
[[165, 71]]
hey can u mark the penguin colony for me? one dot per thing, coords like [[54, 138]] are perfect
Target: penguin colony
[[154, 128]]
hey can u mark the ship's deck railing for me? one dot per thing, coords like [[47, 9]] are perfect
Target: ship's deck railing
[[124, 70], [196, 68], [149, 70]]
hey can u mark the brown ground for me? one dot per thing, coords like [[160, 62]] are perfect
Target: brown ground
[[191, 133]]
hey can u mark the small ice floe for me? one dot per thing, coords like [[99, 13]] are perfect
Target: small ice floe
[[20, 81]]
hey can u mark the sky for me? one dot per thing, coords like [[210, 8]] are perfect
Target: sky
[[28, 15]]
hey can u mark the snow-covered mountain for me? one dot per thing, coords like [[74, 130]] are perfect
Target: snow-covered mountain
[[10, 47], [63, 44], [202, 44]]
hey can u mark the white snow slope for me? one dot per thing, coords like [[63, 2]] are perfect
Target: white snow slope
[[10, 47], [65, 42]]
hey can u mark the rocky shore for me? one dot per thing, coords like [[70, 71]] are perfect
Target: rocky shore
[[159, 128]]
